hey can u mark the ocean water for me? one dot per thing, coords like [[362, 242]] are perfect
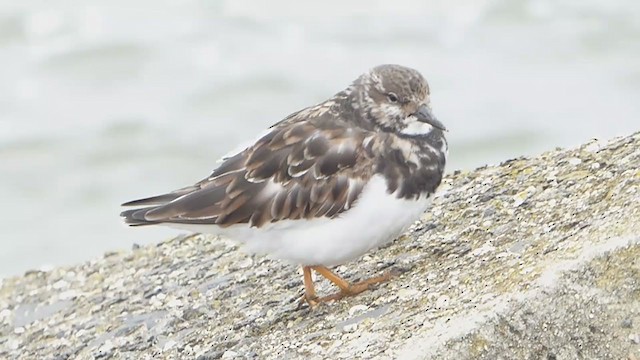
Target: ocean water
[[105, 101]]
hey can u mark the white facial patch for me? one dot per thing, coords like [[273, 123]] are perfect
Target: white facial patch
[[389, 113], [415, 127]]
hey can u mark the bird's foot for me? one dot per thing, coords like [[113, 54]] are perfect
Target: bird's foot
[[350, 290], [357, 288]]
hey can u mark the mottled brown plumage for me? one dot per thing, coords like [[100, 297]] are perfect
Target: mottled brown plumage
[[315, 162], [293, 172]]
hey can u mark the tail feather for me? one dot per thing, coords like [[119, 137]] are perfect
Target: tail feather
[[154, 200], [136, 217]]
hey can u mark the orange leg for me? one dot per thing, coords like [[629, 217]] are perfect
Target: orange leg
[[309, 290], [346, 289]]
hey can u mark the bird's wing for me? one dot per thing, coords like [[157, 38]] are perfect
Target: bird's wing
[[298, 170]]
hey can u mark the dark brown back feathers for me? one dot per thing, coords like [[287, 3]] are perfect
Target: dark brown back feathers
[[316, 162], [295, 171]]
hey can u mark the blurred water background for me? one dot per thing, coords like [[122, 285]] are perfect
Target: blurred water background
[[103, 101]]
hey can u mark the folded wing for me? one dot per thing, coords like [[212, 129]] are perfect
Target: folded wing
[[296, 171]]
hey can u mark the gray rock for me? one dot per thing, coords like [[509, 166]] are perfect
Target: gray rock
[[531, 259]]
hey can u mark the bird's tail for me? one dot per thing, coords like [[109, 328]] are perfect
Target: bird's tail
[[136, 217]]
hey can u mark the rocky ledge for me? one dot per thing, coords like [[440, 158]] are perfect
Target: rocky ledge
[[533, 259]]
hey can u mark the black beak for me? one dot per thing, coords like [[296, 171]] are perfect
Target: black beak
[[425, 115]]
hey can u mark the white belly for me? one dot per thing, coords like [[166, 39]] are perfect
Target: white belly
[[376, 218]]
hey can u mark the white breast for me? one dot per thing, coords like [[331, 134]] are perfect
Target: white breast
[[376, 218]]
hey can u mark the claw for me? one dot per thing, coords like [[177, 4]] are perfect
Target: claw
[[312, 302]]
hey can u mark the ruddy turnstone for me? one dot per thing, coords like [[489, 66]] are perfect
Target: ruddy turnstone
[[324, 185]]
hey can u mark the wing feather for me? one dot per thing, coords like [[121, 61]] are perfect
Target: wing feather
[[298, 170]]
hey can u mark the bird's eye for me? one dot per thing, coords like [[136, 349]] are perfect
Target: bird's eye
[[392, 97]]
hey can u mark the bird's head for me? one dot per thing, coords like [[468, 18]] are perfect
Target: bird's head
[[395, 99]]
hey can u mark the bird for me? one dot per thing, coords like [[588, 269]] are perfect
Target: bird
[[323, 186]]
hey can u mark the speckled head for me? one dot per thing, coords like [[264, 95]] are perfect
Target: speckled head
[[396, 99]]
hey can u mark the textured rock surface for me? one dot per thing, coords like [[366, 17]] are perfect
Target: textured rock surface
[[532, 259]]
